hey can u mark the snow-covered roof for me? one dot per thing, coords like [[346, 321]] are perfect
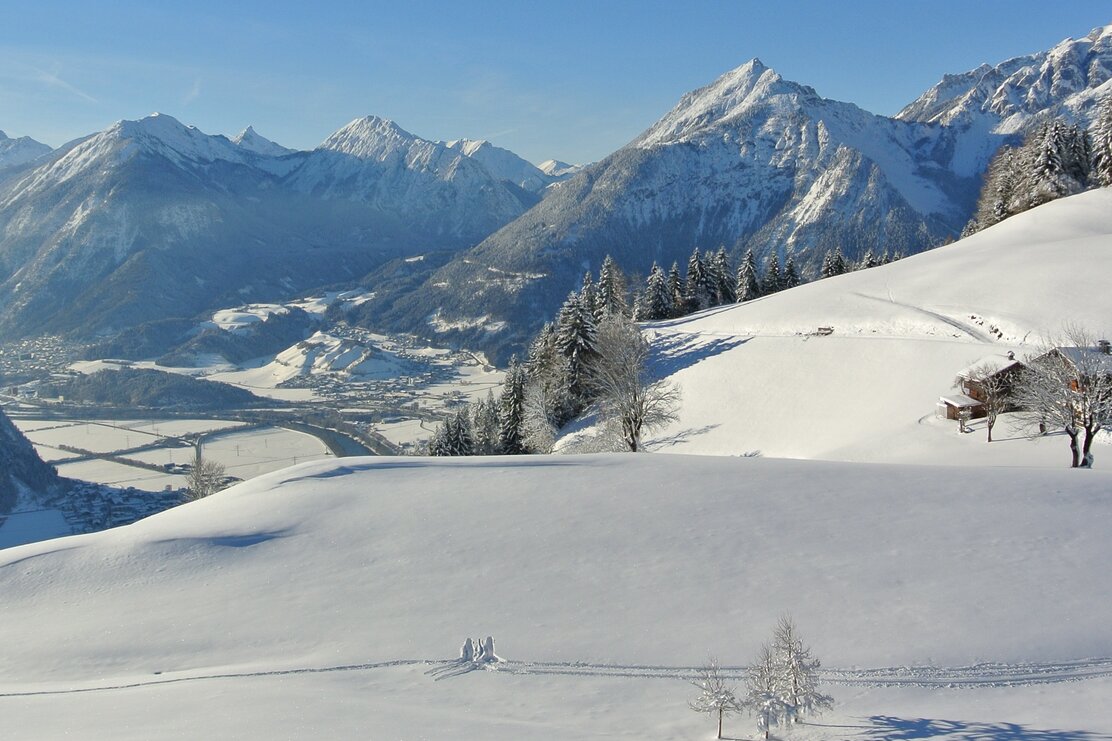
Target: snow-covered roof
[[991, 363], [960, 401], [1090, 357]]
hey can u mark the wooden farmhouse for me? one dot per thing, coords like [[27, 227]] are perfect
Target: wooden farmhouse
[[1084, 361], [1000, 371]]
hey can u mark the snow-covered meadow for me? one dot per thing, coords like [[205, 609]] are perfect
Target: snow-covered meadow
[[244, 453], [945, 602]]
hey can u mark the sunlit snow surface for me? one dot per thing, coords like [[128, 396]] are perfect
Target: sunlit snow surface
[[759, 377], [325, 600]]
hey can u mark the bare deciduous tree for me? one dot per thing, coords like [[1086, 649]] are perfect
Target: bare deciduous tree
[[763, 691], [619, 381], [797, 671], [205, 478], [995, 391], [1069, 387], [715, 696]]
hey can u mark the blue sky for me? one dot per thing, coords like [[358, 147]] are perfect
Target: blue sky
[[572, 80]]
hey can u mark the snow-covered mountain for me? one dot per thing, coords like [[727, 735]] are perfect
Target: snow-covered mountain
[[754, 160], [22, 472], [751, 159], [152, 219], [1066, 80], [441, 192], [556, 168], [505, 165], [15, 152], [251, 140]]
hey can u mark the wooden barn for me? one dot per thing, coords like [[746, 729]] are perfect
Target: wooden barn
[[974, 383]]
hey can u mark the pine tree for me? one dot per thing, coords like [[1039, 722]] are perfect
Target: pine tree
[[723, 273], [611, 292], [791, 274], [511, 432], [657, 299], [748, 286], [1053, 168], [868, 260], [697, 294], [833, 263], [457, 435], [576, 341], [1102, 144], [437, 444], [773, 281], [484, 425], [588, 296], [678, 289]]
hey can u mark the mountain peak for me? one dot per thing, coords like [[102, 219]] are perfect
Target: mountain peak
[[3, 135], [370, 137], [736, 91], [252, 141]]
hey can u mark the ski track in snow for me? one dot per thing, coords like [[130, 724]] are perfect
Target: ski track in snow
[[950, 321], [937, 677], [975, 675]]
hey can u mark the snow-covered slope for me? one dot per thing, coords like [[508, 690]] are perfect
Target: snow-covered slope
[[251, 140], [15, 152], [603, 579], [758, 377], [1068, 79]]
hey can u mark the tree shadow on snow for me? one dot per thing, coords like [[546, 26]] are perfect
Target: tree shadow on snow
[[888, 727], [674, 352], [681, 437]]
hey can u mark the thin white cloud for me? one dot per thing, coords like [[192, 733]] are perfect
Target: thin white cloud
[[193, 93], [53, 80]]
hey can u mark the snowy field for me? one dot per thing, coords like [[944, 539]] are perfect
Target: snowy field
[[945, 602], [245, 454], [757, 378]]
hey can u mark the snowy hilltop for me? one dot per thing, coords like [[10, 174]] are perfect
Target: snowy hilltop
[[761, 376]]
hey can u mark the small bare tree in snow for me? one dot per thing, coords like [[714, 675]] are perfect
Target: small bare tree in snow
[[1069, 387], [618, 379], [763, 692], [797, 673], [715, 696], [205, 478], [995, 390]]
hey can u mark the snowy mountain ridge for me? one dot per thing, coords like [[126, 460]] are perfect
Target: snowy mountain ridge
[[112, 222], [1067, 79], [19, 151]]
